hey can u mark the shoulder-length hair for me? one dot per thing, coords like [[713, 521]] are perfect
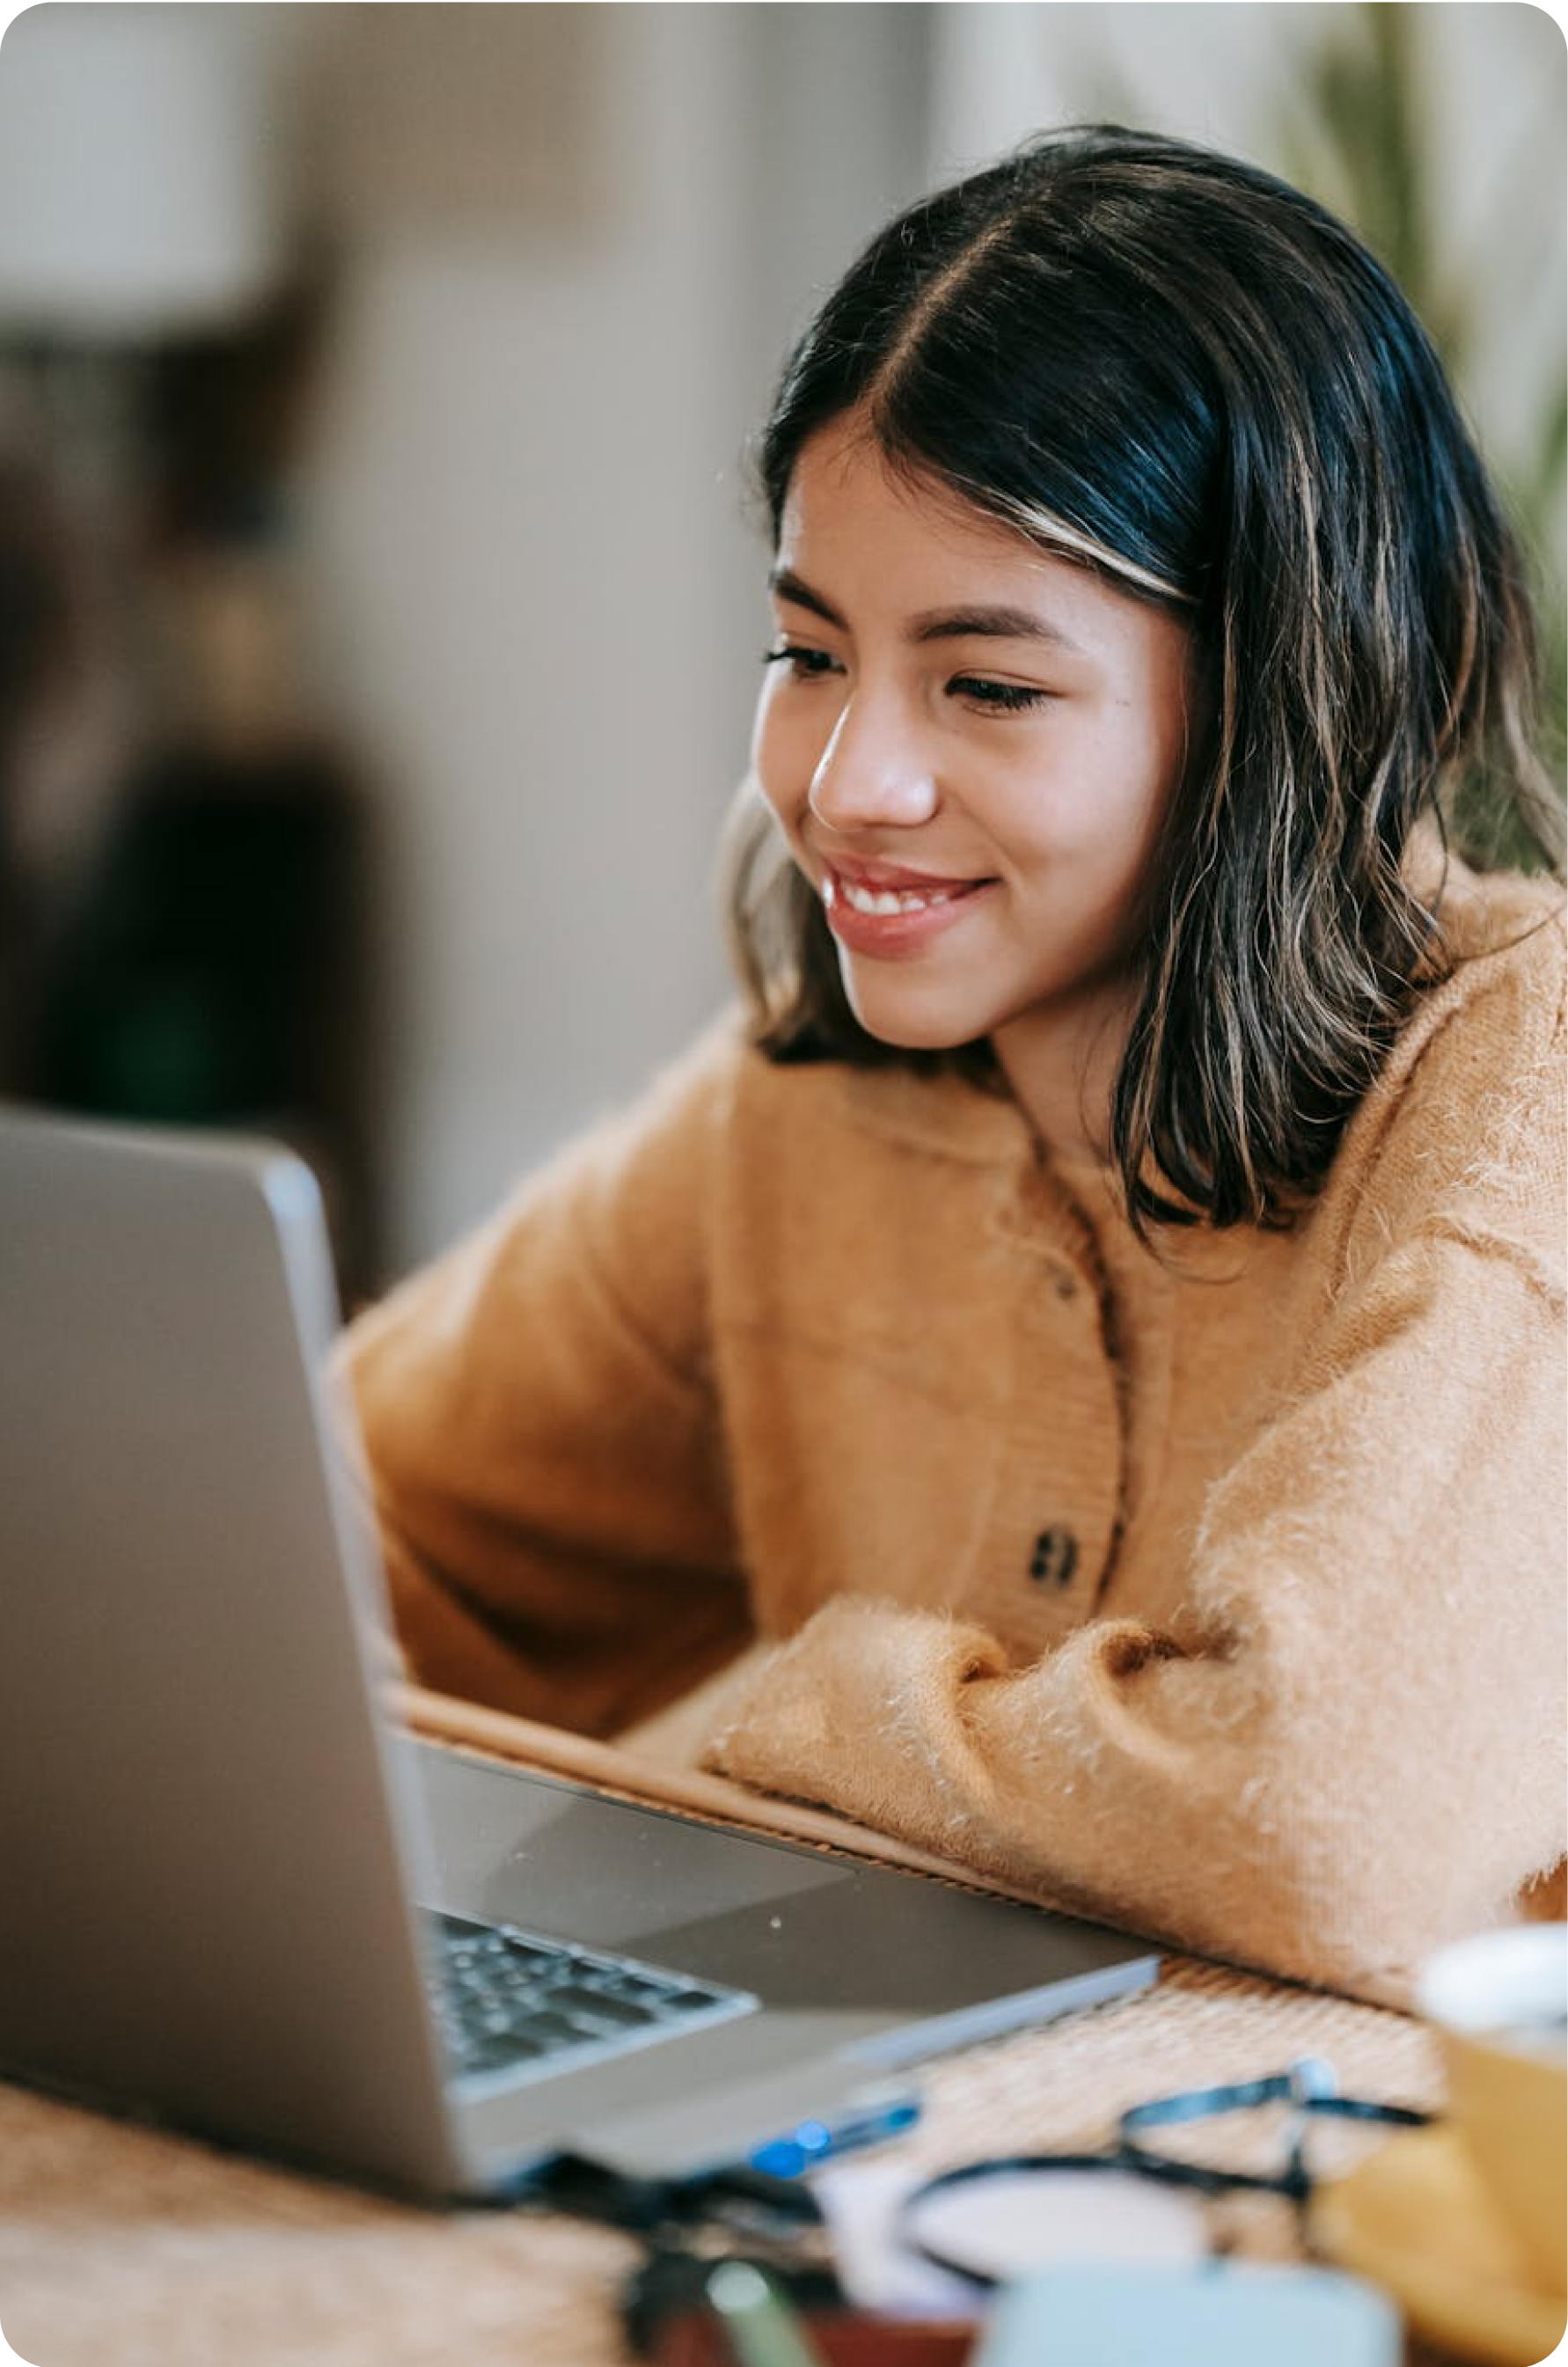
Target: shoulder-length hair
[[1169, 366]]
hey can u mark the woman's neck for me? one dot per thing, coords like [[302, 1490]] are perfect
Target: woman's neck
[[1060, 1064]]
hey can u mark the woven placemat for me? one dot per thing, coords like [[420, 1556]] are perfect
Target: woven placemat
[[125, 2247]]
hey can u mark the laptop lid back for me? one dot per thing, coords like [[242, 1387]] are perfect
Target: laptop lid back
[[203, 1885]]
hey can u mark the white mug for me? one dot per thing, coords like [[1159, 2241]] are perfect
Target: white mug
[[1499, 2004]]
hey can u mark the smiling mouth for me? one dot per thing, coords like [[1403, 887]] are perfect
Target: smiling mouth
[[887, 901]]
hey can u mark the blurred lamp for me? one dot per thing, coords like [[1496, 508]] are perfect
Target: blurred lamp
[[139, 192]]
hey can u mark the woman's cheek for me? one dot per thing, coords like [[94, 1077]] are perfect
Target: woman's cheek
[[781, 761], [765, 738]]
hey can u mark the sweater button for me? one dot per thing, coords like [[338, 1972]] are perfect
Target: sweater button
[[1056, 1558]]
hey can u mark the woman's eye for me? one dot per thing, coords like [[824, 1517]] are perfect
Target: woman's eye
[[805, 664], [1004, 697]]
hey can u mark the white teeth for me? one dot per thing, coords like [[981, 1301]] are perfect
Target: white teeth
[[888, 901]]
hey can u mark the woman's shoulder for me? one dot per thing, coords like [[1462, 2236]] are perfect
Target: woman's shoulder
[[1514, 918], [1465, 1127], [1499, 998]]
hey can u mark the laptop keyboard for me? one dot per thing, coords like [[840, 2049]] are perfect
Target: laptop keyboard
[[508, 2001]]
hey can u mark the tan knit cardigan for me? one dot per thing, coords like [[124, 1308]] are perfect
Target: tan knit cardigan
[[1221, 1595]]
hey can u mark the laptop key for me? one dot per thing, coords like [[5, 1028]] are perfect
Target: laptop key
[[601, 2005], [502, 2052], [546, 2028], [512, 2000]]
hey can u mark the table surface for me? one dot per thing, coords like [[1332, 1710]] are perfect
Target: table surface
[[126, 2246]]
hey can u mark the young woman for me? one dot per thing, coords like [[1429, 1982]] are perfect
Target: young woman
[[1098, 1315]]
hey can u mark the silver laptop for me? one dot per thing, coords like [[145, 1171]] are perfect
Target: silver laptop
[[233, 1897]]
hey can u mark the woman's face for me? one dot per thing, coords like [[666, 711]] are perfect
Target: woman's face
[[970, 746]]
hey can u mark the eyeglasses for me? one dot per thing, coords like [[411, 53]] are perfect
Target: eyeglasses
[[983, 2223], [986, 2222]]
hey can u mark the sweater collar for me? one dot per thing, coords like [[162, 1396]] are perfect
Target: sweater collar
[[947, 1115]]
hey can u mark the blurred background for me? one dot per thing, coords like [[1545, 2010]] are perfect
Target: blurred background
[[379, 594]]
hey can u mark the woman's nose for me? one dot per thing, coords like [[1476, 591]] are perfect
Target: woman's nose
[[872, 772]]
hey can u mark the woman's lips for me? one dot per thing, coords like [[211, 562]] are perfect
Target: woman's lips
[[879, 908]]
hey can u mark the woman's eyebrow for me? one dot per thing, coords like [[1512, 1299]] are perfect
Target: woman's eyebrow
[[999, 624], [785, 585], [982, 623]]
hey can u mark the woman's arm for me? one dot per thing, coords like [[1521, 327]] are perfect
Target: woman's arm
[[543, 1442], [1351, 1745]]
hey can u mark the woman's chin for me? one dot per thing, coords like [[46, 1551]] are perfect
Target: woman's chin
[[905, 1028]]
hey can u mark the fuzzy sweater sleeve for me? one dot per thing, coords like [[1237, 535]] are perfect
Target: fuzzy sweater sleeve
[[542, 1448], [1350, 1745]]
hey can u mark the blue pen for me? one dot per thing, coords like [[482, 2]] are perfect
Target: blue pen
[[813, 2142]]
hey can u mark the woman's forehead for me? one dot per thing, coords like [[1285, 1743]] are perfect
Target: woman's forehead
[[865, 533], [844, 467]]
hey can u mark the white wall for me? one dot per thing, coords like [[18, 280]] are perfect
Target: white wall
[[534, 586], [518, 503]]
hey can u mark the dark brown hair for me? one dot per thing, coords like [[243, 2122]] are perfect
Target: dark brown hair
[[1167, 365]]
